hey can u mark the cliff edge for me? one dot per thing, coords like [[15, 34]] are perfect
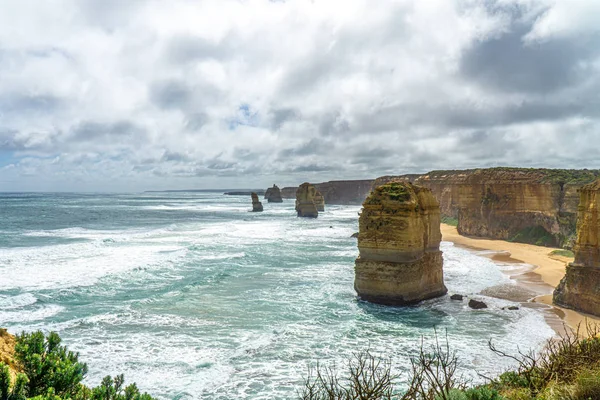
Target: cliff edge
[[400, 261], [580, 287]]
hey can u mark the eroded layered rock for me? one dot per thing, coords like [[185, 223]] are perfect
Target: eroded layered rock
[[305, 201], [7, 350], [537, 206], [580, 287], [273, 195], [400, 261], [319, 201], [256, 204]]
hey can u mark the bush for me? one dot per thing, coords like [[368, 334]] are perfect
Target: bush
[[51, 372]]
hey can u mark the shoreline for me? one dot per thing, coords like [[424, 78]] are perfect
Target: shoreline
[[541, 274]]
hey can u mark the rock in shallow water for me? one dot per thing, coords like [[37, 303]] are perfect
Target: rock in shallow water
[[477, 305], [458, 297], [305, 204], [400, 261], [256, 204]]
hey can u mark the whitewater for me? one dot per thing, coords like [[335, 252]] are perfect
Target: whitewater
[[190, 295]]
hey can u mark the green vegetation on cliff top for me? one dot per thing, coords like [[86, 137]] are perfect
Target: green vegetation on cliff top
[[541, 175], [48, 371], [395, 191]]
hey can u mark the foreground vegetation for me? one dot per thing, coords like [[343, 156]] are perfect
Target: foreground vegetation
[[48, 371], [567, 369]]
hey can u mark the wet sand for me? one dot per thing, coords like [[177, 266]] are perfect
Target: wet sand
[[535, 270]]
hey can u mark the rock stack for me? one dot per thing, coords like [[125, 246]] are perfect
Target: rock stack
[[319, 201], [256, 205], [273, 195], [400, 261], [305, 201], [580, 287]]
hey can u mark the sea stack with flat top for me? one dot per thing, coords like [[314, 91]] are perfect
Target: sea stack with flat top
[[399, 260], [305, 201], [256, 204], [273, 194], [579, 289]]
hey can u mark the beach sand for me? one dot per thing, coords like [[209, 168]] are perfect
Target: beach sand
[[535, 283]]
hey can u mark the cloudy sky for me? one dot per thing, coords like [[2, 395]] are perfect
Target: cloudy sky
[[127, 95]]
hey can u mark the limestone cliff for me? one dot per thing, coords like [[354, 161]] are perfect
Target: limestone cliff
[[273, 195], [256, 204], [7, 349], [535, 206], [580, 287], [319, 201], [338, 192], [305, 204], [400, 261]]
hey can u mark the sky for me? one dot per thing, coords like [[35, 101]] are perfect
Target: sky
[[112, 95]]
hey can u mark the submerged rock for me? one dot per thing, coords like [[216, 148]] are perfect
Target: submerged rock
[[305, 204], [400, 261], [273, 195], [256, 204], [477, 305], [580, 287], [319, 201], [458, 297], [354, 235]]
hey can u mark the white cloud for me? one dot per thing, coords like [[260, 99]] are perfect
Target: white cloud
[[133, 95]]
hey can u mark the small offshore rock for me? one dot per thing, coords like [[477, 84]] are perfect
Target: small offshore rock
[[477, 305], [458, 297], [256, 204], [512, 308], [355, 235]]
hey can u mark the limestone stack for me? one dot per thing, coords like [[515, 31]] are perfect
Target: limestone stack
[[580, 287], [400, 261], [256, 205], [305, 201], [319, 201], [273, 195]]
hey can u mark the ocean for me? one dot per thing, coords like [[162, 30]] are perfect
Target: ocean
[[190, 295]]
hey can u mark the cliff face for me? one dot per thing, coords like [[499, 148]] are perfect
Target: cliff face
[[7, 349], [525, 205], [580, 287], [319, 201], [256, 204], [273, 195], [338, 192], [399, 236], [305, 203]]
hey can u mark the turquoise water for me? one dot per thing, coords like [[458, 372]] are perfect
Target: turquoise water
[[192, 296]]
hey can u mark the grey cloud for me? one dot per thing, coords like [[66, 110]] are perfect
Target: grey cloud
[[23, 103], [88, 131], [186, 48], [508, 63], [170, 94]]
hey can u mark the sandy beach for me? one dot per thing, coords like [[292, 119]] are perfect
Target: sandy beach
[[545, 273]]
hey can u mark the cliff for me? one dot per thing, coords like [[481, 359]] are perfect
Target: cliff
[[7, 349], [273, 194], [305, 203], [319, 201], [256, 204], [352, 192], [537, 206], [580, 287], [400, 261]]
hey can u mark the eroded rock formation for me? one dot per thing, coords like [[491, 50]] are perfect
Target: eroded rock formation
[[7, 349], [537, 206], [319, 201], [273, 195], [305, 204], [338, 192], [256, 204], [580, 287], [400, 261]]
